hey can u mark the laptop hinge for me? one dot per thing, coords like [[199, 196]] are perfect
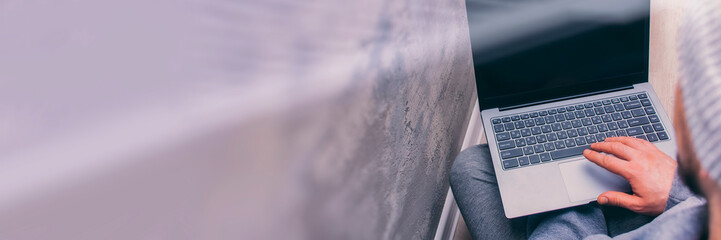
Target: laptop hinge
[[564, 98]]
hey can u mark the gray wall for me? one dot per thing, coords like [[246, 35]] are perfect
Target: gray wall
[[251, 119]]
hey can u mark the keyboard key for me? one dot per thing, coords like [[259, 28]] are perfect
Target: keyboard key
[[546, 128], [638, 112], [580, 141], [543, 113], [538, 149], [612, 126], [498, 128], [536, 130], [624, 99], [622, 124], [579, 107], [590, 139], [529, 123], [534, 115], [580, 114], [606, 102], [559, 145], [534, 159], [562, 135], [616, 117], [566, 125], [515, 134], [606, 118], [621, 133], [503, 136], [523, 161], [618, 107], [632, 105], [609, 109], [549, 146], [572, 133], [556, 127], [596, 120], [506, 119], [541, 139], [545, 157], [599, 110], [496, 121], [587, 122], [570, 142], [506, 145], [592, 129], [582, 132], [509, 126], [515, 118], [588, 105], [551, 137], [561, 110], [662, 135], [658, 127], [570, 152], [511, 153], [615, 100], [600, 137], [525, 132], [519, 125], [645, 102], [632, 97], [540, 121], [647, 128], [649, 110], [520, 142], [602, 128], [510, 163], [528, 150], [610, 134], [552, 111], [634, 131], [570, 108], [626, 114], [652, 137], [642, 137], [642, 96], [525, 116], [560, 118], [653, 119], [576, 123], [597, 104], [550, 119], [531, 140], [589, 112], [637, 121], [570, 116]]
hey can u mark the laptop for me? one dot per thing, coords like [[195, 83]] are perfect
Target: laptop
[[553, 78]]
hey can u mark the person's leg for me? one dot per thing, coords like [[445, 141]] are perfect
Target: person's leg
[[474, 186]]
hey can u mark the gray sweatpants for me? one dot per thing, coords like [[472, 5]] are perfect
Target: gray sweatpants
[[473, 181]]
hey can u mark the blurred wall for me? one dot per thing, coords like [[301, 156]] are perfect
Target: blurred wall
[[252, 119]]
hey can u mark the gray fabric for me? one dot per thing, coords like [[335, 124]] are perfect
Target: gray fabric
[[474, 185], [700, 61]]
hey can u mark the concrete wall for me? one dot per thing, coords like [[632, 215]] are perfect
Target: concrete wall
[[252, 119]]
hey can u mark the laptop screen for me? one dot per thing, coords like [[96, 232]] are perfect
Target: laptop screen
[[533, 51]]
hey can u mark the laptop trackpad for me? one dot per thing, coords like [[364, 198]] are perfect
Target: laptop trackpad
[[586, 180]]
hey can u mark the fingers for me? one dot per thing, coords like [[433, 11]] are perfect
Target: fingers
[[616, 148], [620, 199], [609, 162], [628, 141]]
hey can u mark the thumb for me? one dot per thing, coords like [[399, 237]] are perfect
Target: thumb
[[619, 199]]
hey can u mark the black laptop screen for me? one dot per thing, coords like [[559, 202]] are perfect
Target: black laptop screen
[[527, 53]]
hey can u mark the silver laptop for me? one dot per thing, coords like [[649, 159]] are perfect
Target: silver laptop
[[546, 95]]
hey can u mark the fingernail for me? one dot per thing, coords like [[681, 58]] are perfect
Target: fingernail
[[586, 151], [603, 200]]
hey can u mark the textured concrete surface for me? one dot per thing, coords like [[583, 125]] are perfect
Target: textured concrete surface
[[251, 119]]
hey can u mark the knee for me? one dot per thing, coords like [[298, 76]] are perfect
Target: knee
[[470, 162]]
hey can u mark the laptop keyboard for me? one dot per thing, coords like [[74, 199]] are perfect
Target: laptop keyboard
[[547, 135]]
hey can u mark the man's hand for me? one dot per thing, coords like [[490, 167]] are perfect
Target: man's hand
[[649, 171]]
